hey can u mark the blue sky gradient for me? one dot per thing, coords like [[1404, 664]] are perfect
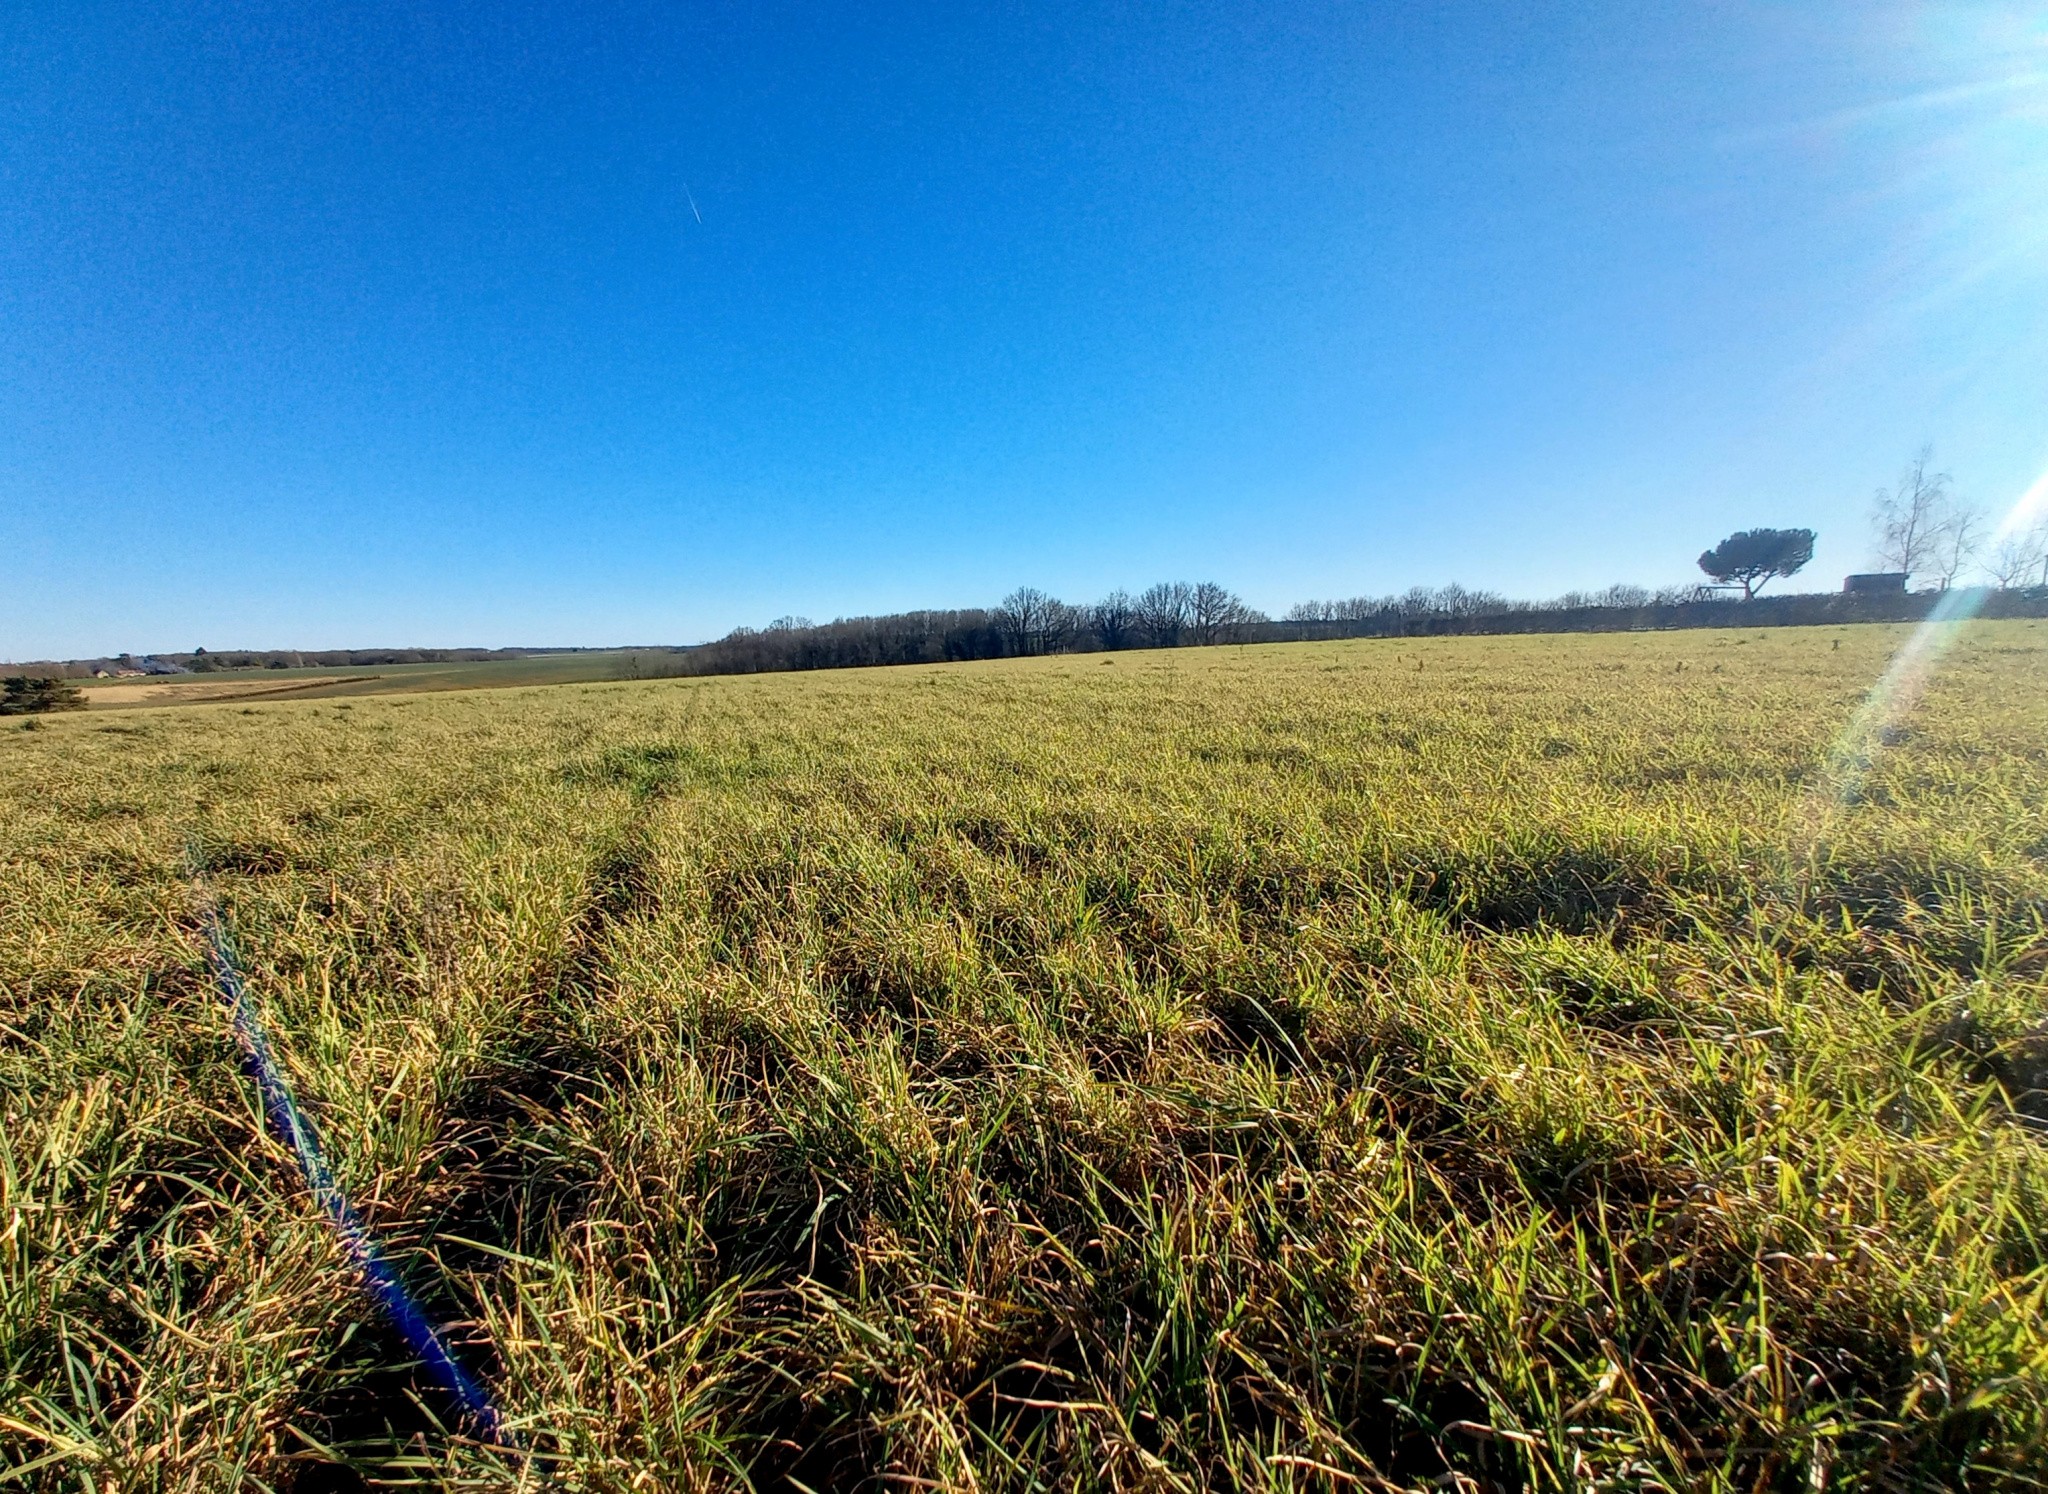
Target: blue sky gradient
[[326, 325]]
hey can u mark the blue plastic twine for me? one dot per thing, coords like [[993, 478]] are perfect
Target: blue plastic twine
[[295, 1129]]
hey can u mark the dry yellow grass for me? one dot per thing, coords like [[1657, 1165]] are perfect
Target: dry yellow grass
[[1383, 1063]]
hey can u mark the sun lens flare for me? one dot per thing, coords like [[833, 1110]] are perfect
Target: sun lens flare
[[1854, 753]]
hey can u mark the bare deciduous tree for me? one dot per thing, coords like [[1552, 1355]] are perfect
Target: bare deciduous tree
[[1960, 541], [2020, 559], [1920, 526], [1025, 617], [1066, 627], [1163, 612], [1215, 614], [1114, 620]]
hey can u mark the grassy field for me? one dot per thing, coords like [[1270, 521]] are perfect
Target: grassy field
[[1475, 1063], [350, 681]]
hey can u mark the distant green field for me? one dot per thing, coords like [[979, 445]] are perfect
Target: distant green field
[[1473, 1063], [376, 679]]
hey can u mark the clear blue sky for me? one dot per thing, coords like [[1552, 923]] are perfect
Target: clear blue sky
[[328, 324]]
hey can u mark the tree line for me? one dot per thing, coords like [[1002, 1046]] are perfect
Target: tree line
[[1030, 622], [1458, 602], [204, 661], [1027, 622], [1921, 529], [1166, 615], [200, 661]]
